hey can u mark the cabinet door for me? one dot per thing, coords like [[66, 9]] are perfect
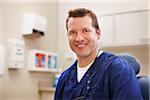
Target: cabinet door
[[131, 27], [107, 30]]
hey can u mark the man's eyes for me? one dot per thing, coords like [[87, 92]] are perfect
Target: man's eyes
[[86, 30], [71, 33], [82, 31]]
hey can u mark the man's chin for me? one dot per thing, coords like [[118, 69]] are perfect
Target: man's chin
[[82, 55]]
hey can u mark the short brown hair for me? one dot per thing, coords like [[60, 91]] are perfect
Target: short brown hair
[[81, 12]]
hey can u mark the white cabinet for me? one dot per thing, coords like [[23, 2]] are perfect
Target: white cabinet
[[124, 28], [131, 28]]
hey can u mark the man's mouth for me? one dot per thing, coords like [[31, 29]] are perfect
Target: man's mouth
[[81, 45]]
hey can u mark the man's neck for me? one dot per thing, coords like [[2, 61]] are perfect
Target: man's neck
[[84, 61]]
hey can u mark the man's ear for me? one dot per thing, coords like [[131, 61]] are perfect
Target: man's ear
[[98, 32]]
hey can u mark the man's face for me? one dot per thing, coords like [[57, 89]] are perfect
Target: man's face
[[82, 36]]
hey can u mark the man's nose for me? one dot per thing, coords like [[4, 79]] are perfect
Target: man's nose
[[79, 37]]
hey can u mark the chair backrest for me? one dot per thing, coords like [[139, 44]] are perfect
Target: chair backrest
[[132, 60], [144, 81], [145, 86]]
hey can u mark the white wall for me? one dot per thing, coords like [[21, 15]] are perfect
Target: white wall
[[1, 22], [21, 84], [1, 35]]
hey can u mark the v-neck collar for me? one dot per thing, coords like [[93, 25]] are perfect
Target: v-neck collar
[[91, 70], [87, 76]]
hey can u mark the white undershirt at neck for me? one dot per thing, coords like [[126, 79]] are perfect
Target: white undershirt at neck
[[82, 71]]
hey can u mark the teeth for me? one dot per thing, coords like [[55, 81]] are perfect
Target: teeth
[[80, 45]]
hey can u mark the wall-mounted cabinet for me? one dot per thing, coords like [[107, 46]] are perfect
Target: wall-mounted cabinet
[[131, 27], [124, 29]]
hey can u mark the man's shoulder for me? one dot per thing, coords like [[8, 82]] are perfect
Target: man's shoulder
[[115, 62], [107, 57]]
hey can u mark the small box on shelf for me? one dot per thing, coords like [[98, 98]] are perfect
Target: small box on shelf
[[42, 61]]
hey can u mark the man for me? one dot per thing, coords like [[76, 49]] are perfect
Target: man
[[96, 75]]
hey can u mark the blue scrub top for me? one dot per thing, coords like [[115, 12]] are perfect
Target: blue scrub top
[[108, 78]]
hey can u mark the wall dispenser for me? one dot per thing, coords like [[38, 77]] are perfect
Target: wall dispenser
[[34, 26], [15, 53]]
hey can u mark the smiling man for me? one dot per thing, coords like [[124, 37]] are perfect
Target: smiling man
[[83, 39], [96, 75]]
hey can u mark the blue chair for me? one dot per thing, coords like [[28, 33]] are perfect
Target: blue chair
[[145, 86], [144, 81]]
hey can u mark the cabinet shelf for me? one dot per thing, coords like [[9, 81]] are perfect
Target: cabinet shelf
[[45, 86], [43, 70]]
